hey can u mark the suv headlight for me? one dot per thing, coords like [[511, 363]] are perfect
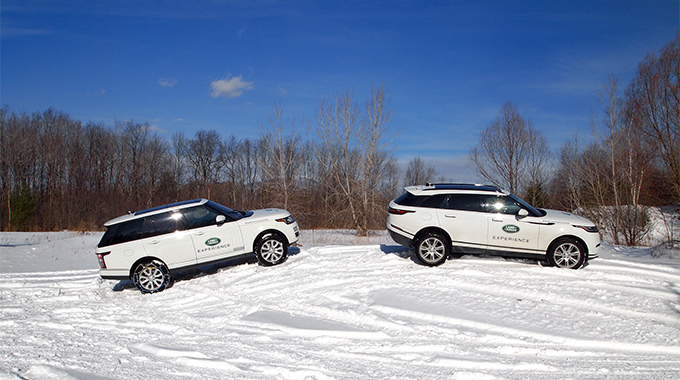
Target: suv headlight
[[591, 229], [288, 220]]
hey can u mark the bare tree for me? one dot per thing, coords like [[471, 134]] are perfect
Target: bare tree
[[653, 99], [510, 152], [337, 120], [609, 138], [179, 153], [155, 168], [20, 158], [376, 163], [630, 158], [352, 152], [281, 162], [417, 173], [205, 157]]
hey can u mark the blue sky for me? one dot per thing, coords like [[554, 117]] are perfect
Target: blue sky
[[448, 66]]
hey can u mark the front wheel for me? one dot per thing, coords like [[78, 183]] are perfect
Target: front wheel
[[432, 249], [271, 249], [567, 253], [151, 277]]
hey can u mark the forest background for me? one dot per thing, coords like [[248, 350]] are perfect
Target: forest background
[[337, 170]]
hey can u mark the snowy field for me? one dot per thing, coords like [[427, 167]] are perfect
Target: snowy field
[[341, 307]]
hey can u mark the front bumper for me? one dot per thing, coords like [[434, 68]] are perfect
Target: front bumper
[[592, 253]]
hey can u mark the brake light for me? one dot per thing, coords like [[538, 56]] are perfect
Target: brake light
[[396, 211], [100, 257]]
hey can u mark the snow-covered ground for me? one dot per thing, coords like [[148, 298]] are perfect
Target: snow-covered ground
[[341, 307]]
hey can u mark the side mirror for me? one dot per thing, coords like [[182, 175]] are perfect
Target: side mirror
[[220, 219], [522, 213]]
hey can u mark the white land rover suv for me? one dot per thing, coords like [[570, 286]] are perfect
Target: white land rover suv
[[442, 219], [149, 246]]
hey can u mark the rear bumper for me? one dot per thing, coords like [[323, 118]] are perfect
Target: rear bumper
[[399, 238], [120, 275]]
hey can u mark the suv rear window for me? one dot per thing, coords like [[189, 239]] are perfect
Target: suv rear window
[[430, 201], [408, 199], [122, 233]]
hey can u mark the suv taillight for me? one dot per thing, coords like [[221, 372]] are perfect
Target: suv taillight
[[100, 257], [396, 211]]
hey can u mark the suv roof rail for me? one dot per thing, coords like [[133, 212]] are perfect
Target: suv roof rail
[[459, 185], [167, 206]]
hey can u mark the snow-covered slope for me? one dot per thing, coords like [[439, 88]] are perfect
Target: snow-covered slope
[[341, 307]]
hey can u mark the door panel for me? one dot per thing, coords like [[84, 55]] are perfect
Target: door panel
[[213, 240], [217, 241], [462, 215], [467, 228], [512, 233], [507, 230], [165, 237]]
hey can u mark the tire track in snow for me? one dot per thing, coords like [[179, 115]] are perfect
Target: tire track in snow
[[394, 305]]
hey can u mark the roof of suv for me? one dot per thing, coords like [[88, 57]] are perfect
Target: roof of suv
[[447, 187], [154, 210]]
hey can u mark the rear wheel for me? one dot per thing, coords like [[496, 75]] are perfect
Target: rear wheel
[[567, 253], [432, 249], [151, 276], [271, 249]]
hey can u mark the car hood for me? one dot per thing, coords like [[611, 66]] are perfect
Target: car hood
[[263, 215], [563, 217]]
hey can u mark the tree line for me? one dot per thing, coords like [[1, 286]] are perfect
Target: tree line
[[57, 172], [338, 170], [632, 161]]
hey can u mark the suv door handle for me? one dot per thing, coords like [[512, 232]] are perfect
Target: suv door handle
[[200, 233], [497, 220], [153, 242], [450, 216]]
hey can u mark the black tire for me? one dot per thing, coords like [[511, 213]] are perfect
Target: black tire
[[567, 253], [271, 249], [432, 249], [151, 276]]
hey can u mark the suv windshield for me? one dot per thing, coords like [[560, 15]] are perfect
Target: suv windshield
[[226, 211], [532, 210]]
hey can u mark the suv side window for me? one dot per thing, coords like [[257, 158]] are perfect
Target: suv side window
[[164, 223], [199, 216], [503, 205], [434, 201], [465, 202]]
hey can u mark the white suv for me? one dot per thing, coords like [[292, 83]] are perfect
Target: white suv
[[442, 219], [148, 246]]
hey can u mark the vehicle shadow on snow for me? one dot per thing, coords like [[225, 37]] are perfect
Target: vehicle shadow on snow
[[205, 270], [408, 253], [399, 251]]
